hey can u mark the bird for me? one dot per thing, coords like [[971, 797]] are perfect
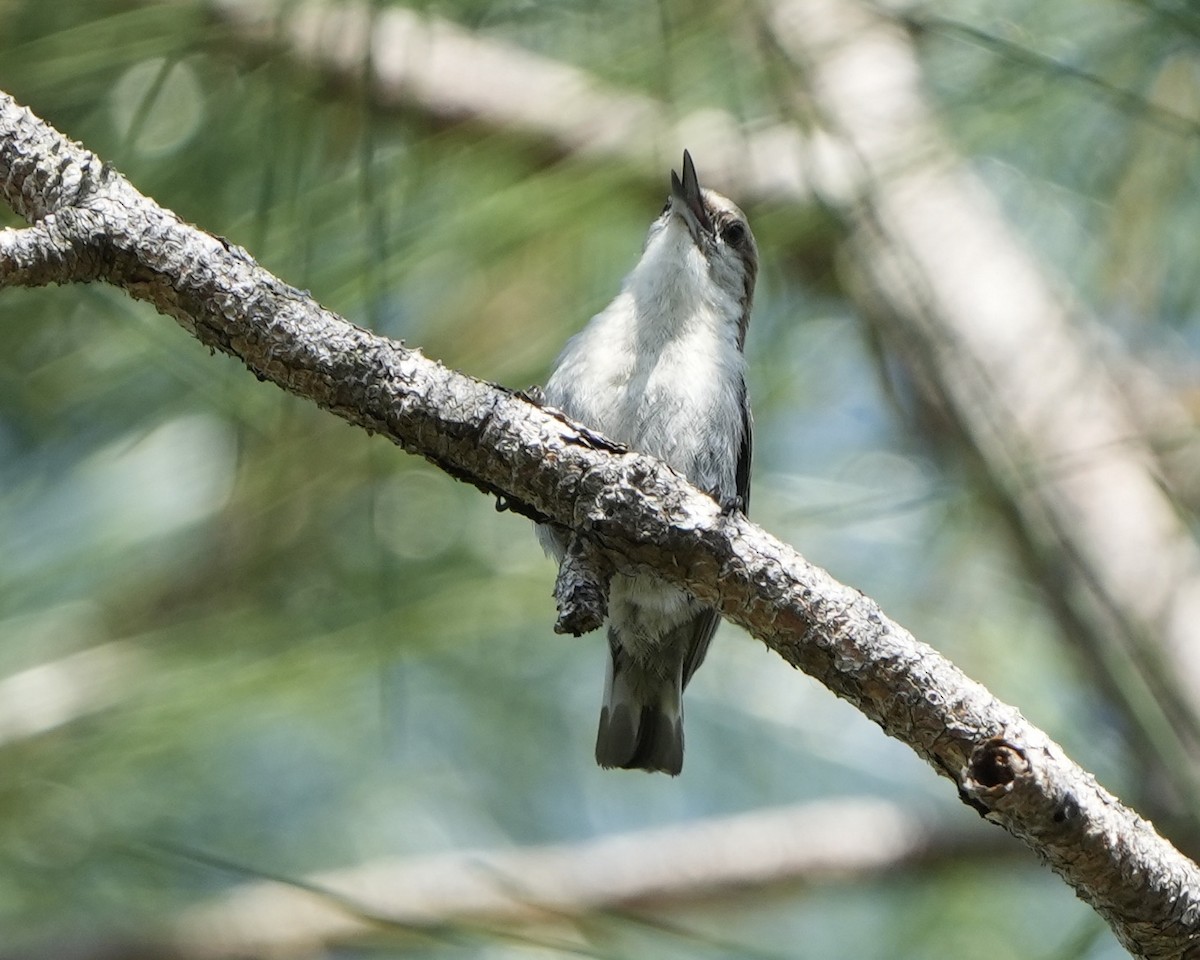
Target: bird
[[662, 370]]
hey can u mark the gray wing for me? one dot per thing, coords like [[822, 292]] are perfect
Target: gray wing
[[745, 453], [704, 624]]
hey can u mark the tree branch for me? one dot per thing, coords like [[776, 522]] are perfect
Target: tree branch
[[1005, 354], [46, 696], [581, 588], [831, 841], [637, 509], [420, 61]]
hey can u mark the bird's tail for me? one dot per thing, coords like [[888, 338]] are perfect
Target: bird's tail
[[641, 722]]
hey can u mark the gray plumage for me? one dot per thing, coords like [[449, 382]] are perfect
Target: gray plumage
[[661, 370]]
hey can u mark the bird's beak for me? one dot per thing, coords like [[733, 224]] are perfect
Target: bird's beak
[[687, 202]]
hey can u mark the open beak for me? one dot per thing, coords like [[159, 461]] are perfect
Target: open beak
[[687, 200]]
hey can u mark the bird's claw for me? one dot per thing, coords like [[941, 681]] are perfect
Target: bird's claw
[[729, 505]]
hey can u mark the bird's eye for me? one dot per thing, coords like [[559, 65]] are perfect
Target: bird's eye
[[666, 207], [733, 233]]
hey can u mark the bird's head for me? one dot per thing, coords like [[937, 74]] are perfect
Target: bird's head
[[720, 233]]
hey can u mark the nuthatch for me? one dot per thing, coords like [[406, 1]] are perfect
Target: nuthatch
[[661, 370]]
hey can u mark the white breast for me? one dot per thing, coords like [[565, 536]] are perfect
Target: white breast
[[659, 368]]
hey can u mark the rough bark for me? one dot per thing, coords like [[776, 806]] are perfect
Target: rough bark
[[88, 223]]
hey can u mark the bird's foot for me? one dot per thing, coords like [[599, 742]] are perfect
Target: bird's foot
[[729, 505]]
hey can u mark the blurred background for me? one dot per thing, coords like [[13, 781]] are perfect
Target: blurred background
[[271, 688]]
